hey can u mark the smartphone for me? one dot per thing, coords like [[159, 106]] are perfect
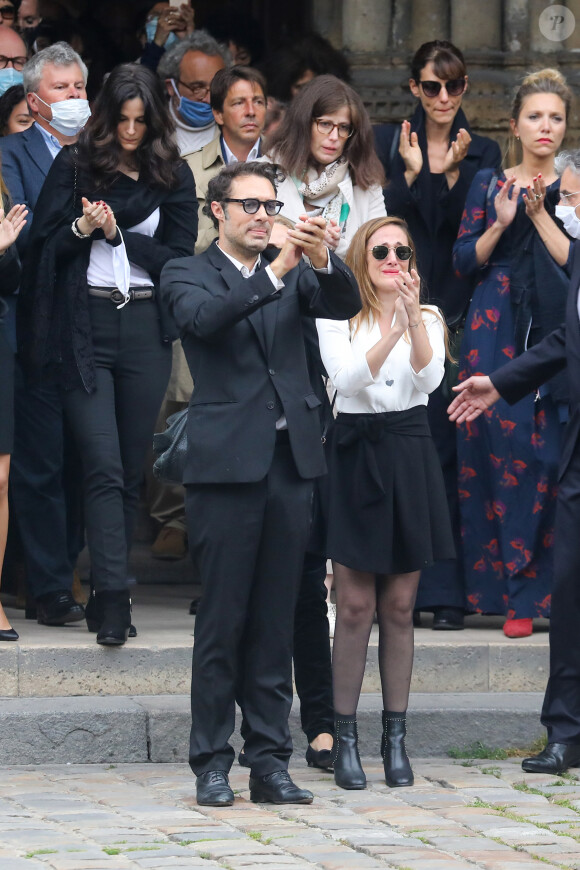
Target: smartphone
[[176, 3]]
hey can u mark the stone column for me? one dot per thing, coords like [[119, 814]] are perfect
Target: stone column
[[515, 25], [327, 20], [430, 21], [476, 24], [366, 25], [539, 42]]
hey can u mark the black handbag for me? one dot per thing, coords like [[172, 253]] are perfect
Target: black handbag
[[170, 448]]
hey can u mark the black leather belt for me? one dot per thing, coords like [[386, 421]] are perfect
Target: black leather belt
[[115, 295]]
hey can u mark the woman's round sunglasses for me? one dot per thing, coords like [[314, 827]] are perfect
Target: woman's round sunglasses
[[402, 252], [454, 87]]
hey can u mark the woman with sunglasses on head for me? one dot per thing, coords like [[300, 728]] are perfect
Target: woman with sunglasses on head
[[113, 210], [325, 146], [430, 162], [510, 242], [388, 516]]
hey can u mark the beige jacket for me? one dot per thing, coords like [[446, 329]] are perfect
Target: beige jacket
[[205, 164]]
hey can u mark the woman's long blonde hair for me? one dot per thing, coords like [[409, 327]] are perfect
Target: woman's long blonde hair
[[356, 260]]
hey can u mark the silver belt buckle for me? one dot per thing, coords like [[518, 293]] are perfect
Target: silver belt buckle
[[116, 296]]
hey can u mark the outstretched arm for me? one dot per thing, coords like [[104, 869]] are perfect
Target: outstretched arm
[[474, 396]]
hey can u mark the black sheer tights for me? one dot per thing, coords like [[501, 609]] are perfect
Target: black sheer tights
[[358, 595]]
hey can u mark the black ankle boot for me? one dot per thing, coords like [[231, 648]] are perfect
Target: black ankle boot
[[348, 772], [396, 761], [116, 624], [95, 613]]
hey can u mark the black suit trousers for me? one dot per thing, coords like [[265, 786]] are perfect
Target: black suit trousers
[[561, 710], [247, 542]]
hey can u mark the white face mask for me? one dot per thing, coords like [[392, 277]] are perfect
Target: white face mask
[[68, 116], [567, 214]]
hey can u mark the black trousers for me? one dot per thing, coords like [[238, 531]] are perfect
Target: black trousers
[[247, 542], [312, 659], [113, 427], [44, 487], [561, 709]]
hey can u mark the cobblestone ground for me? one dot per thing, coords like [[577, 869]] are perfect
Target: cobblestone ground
[[458, 816]]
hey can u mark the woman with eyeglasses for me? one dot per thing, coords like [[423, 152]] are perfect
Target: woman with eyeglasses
[[513, 249], [430, 162], [325, 146], [113, 210], [387, 516]]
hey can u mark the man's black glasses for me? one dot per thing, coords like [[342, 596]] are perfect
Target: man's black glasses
[[252, 206], [454, 87], [402, 252], [17, 62]]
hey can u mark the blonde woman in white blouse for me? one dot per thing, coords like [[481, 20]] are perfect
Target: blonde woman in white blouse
[[388, 515]]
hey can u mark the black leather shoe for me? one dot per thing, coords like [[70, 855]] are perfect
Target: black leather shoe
[[58, 608], [448, 619], [348, 772], [213, 789], [242, 759], [555, 758], [321, 758], [116, 624], [95, 614], [278, 788], [8, 634], [395, 759]]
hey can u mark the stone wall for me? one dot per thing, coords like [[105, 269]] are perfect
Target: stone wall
[[501, 40]]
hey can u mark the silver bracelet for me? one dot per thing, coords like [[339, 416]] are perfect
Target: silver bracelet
[[77, 232], [414, 325]]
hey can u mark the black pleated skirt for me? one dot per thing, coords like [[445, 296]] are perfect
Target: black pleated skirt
[[6, 393], [387, 508]]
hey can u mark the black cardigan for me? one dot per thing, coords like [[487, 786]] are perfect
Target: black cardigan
[[434, 226], [53, 324]]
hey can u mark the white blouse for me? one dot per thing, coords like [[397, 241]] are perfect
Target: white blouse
[[396, 387], [109, 265]]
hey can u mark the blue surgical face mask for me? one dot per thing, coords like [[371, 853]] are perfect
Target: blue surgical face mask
[[150, 29], [194, 114], [8, 77]]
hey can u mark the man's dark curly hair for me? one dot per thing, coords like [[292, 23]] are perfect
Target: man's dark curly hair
[[220, 185]]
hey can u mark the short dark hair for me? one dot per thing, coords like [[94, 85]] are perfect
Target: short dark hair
[[8, 101], [224, 79], [220, 185], [448, 61]]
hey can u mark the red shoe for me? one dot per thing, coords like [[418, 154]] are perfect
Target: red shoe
[[518, 627]]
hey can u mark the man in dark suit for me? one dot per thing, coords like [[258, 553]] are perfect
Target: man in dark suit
[[254, 450], [46, 528], [560, 349]]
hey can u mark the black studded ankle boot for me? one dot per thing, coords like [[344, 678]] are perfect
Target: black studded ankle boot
[[348, 772], [396, 761], [95, 613], [116, 624]]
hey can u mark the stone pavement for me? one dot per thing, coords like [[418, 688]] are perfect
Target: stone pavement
[[460, 815]]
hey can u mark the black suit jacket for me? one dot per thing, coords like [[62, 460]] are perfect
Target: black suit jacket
[[245, 348], [559, 349]]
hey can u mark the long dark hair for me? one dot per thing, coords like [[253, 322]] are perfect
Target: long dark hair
[[157, 158], [290, 142]]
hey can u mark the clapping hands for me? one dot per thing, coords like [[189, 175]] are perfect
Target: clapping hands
[[11, 225]]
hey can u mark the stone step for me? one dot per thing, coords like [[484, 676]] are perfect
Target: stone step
[[52, 661], [155, 728]]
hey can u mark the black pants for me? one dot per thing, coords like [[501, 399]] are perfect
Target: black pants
[[247, 542], [561, 709], [312, 661], [113, 427], [45, 490]]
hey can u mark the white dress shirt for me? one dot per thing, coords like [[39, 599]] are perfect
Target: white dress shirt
[[397, 386]]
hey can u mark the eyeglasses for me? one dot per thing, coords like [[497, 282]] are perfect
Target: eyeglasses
[[402, 252], [566, 195], [17, 62], [8, 12], [199, 89], [454, 87], [327, 127], [252, 206]]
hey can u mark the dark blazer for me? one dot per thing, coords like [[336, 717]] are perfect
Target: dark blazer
[[245, 348], [434, 223], [26, 161], [559, 349]]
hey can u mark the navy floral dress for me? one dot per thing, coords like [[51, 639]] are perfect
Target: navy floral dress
[[507, 457]]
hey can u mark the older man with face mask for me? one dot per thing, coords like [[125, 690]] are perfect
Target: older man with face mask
[[13, 54], [43, 489], [188, 69]]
